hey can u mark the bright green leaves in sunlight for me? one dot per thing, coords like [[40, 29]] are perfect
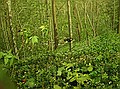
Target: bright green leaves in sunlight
[[44, 31], [60, 44], [34, 39], [7, 57], [42, 28], [105, 75], [82, 78], [57, 87], [28, 36], [99, 57], [90, 68], [59, 72], [26, 33], [73, 73]]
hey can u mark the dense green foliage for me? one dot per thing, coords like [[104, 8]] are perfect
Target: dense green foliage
[[59, 44], [96, 66]]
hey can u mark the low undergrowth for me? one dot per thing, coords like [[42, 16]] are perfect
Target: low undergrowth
[[96, 66]]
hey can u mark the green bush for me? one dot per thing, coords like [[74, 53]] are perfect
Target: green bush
[[96, 66]]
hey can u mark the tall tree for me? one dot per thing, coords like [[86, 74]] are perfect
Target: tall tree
[[119, 18], [78, 22], [69, 24], [12, 33], [85, 13], [54, 25]]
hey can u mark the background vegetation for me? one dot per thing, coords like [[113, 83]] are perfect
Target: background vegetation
[[60, 44]]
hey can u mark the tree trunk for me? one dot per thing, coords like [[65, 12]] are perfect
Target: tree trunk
[[54, 25], [69, 24], [87, 38], [12, 33], [118, 31], [77, 16]]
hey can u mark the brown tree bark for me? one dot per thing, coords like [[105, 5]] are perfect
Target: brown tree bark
[[69, 23], [54, 25], [78, 25], [12, 33], [118, 31]]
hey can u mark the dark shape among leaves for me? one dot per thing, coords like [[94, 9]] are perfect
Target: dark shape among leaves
[[74, 83], [68, 39]]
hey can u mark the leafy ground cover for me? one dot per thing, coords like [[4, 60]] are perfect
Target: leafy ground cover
[[96, 66]]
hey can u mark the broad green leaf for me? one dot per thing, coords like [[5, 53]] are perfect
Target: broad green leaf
[[64, 63], [105, 76], [30, 82], [10, 51], [34, 39], [90, 68], [84, 69], [64, 87], [9, 56], [21, 33], [76, 70], [115, 65], [99, 57], [57, 87], [93, 73], [59, 72], [73, 79], [26, 40], [87, 76], [69, 75], [69, 65], [11, 61], [1, 55], [6, 60], [42, 27], [76, 88], [83, 78]]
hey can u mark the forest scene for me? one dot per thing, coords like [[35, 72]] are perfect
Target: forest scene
[[59, 44]]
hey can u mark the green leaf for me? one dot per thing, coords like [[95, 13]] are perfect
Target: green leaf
[[69, 75], [26, 40], [59, 72], [90, 68], [76, 70], [42, 27], [83, 78], [34, 39], [99, 57], [64, 63], [9, 56], [11, 61], [6, 60], [57, 87], [21, 33], [76, 88], [69, 65], [30, 82], [93, 73], [73, 79], [84, 69], [1, 55], [105, 76], [115, 65]]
